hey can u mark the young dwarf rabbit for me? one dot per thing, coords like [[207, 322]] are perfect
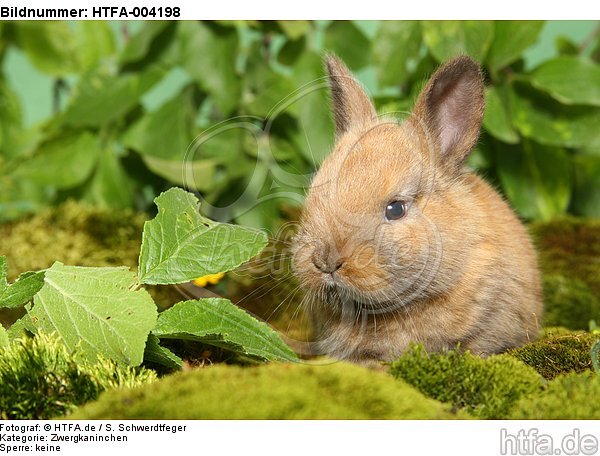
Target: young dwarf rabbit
[[400, 243]]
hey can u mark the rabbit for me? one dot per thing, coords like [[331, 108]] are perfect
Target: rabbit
[[399, 242]]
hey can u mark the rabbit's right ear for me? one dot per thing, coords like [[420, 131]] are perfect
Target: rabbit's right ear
[[451, 106], [352, 107]]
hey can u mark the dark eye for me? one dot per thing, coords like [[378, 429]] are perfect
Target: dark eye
[[395, 210]]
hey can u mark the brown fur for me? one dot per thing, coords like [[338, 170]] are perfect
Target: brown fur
[[458, 268]]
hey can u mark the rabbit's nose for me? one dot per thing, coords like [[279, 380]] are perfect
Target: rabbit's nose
[[326, 261]]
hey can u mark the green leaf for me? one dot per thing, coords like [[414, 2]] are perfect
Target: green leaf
[[96, 309], [511, 38], [264, 88], [104, 96], [208, 53], [4, 341], [396, 44], [447, 39], [179, 244], [497, 119], [565, 46], [291, 51], [22, 290], [536, 178], [570, 80], [21, 328], [544, 120], [347, 41], [95, 41], [62, 162], [165, 133], [586, 196], [157, 354], [110, 186], [294, 29], [50, 45], [19, 197], [139, 44], [10, 121], [196, 175], [216, 321], [314, 134]]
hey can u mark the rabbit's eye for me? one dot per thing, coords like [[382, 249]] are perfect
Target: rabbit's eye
[[395, 210]]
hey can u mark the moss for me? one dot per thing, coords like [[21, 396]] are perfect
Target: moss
[[569, 302], [552, 331], [273, 391], [485, 388], [75, 234], [571, 397], [559, 354], [570, 247], [40, 378]]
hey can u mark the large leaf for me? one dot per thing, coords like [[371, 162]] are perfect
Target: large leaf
[[536, 178], [349, 43], [104, 96], [511, 38], [179, 244], [165, 133], [157, 354], [396, 44], [497, 117], [570, 80], [98, 310], [95, 41], [216, 321], [62, 162], [543, 119], [21, 291], [447, 39], [208, 53], [50, 45]]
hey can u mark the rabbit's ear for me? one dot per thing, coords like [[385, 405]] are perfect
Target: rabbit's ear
[[452, 105], [351, 105]]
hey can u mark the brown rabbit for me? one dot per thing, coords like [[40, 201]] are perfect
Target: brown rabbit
[[400, 242]]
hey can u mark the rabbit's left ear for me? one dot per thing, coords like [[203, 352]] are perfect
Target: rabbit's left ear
[[352, 107], [451, 105]]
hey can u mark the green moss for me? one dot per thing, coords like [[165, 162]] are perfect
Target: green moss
[[570, 247], [559, 354], [552, 331], [273, 391], [485, 388], [569, 302], [75, 234], [40, 379], [571, 397]]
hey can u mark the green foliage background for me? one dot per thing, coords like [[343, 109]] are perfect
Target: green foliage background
[[127, 99]]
